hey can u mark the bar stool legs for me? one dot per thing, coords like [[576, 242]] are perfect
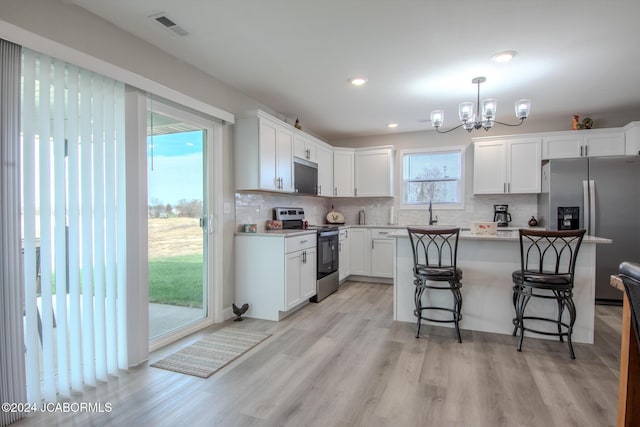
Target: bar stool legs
[[454, 286], [521, 297]]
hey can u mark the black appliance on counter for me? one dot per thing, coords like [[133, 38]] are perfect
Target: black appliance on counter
[[501, 216], [327, 249]]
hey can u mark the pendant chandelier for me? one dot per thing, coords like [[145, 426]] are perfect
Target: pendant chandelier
[[487, 114]]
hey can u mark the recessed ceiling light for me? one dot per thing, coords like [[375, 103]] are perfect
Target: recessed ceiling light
[[505, 56], [358, 81], [392, 125]]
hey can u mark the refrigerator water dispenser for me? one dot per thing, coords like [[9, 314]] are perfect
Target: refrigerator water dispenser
[[568, 218]]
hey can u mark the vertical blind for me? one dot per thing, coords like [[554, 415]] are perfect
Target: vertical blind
[[12, 370], [73, 177]]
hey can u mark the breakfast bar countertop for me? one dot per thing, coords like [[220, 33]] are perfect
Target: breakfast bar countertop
[[503, 235]]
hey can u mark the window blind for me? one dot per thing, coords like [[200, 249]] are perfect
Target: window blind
[[73, 170]]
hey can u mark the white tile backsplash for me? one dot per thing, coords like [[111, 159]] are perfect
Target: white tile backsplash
[[256, 208]]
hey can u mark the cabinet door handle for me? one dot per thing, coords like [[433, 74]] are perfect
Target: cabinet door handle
[[581, 149], [504, 187], [346, 232], [303, 241], [586, 151], [372, 244], [355, 191], [319, 189], [335, 189]]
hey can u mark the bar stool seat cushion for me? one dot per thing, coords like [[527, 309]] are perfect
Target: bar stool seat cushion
[[437, 273], [544, 280]]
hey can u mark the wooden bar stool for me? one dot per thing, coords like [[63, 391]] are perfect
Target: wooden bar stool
[[435, 267], [547, 268]]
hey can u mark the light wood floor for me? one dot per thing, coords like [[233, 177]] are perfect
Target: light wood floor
[[344, 362]]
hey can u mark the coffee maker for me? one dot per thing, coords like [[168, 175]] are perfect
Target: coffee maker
[[501, 216]]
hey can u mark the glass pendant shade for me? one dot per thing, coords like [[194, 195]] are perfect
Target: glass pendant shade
[[489, 107], [437, 118], [523, 107], [466, 111]]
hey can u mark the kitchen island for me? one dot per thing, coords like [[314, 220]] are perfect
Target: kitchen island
[[487, 262]]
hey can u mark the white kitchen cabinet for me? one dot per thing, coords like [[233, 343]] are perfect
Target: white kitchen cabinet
[[300, 284], [360, 251], [561, 146], [583, 143], [373, 172], [632, 139], [304, 147], [506, 166], [263, 154], [274, 273], [324, 157], [371, 252], [344, 254], [382, 254], [343, 172], [604, 144]]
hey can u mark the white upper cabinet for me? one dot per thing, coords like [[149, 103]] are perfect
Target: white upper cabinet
[[374, 172], [263, 154], [343, 173], [324, 158], [506, 166], [583, 143], [604, 144], [561, 146], [632, 139], [304, 147]]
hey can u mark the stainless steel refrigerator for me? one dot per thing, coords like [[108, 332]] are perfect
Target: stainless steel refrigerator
[[606, 193]]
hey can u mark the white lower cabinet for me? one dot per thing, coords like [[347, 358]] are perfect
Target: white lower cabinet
[[301, 276], [360, 251], [274, 273], [371, 252], [381, 253], [344, 255]]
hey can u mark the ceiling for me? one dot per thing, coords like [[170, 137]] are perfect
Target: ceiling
[[296, 56]]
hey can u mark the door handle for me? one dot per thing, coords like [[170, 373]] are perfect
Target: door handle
[[581, 149]]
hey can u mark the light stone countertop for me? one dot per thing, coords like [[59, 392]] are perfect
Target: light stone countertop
[[277, 233], [503, 235]]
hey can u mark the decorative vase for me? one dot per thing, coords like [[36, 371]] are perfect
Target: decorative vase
[[533, 221]]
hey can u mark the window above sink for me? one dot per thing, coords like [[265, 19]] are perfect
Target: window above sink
[[433, 174]]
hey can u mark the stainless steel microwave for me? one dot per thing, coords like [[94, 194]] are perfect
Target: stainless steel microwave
[[305, 176]]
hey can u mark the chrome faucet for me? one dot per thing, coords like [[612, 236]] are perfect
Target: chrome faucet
[[431, 220]]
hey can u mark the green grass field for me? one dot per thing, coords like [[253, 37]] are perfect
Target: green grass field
[[176, 280]]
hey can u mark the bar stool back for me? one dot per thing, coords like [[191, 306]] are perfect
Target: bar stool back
[[435, 267], [547, 269], [630, 275]]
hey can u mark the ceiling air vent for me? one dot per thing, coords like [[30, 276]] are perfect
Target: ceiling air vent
[[161, 18]]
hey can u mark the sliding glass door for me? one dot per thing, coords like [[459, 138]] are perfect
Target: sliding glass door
[[178, 216]]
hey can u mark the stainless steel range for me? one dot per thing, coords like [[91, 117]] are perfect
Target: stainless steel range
[[327, 250]]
